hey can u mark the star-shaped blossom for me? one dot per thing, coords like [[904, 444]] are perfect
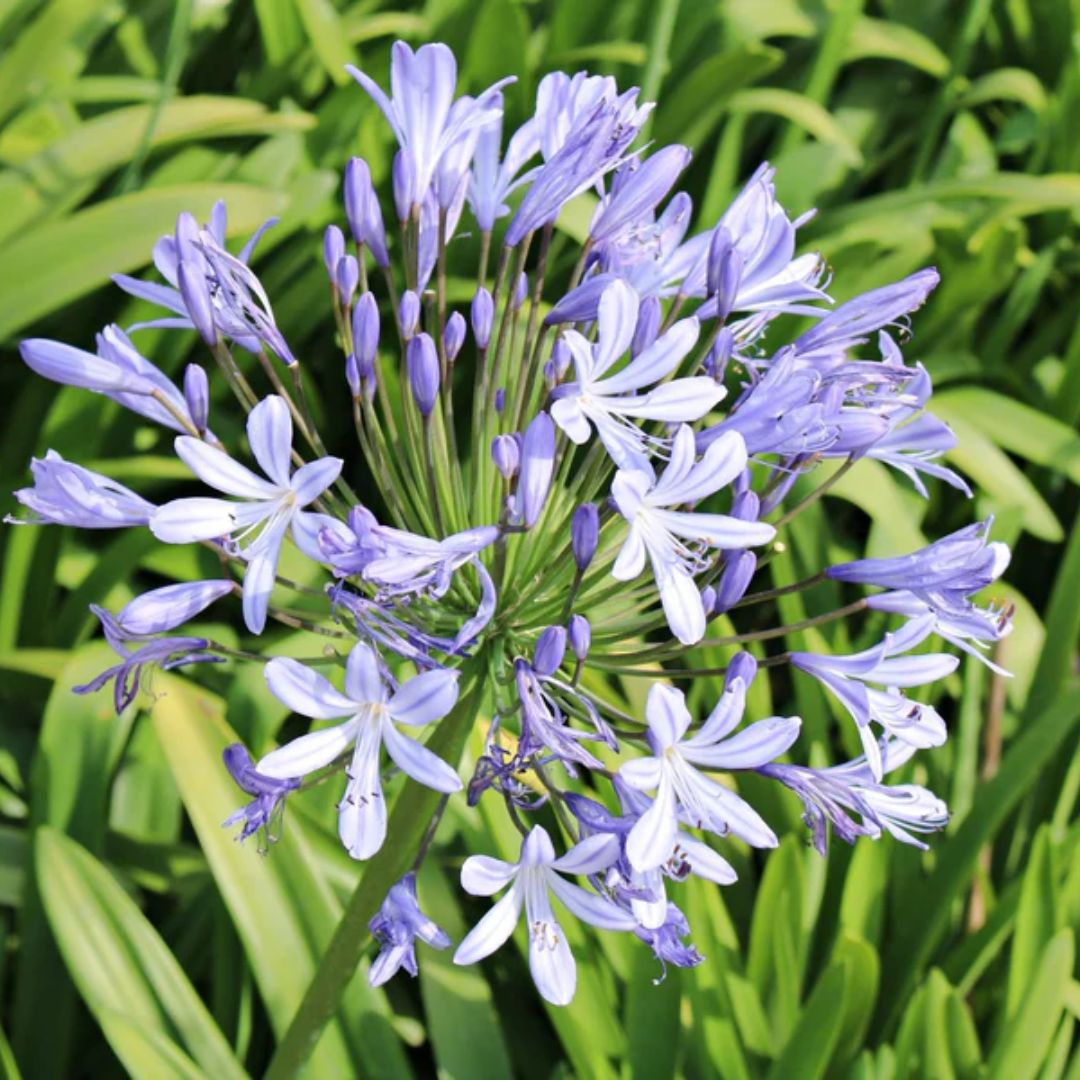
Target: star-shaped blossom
[[532, 880], [676, 541], [372, 713], [256, 527], [683, 791], [611, 403]]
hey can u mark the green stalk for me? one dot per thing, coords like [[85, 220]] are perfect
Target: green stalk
[[413, 811]]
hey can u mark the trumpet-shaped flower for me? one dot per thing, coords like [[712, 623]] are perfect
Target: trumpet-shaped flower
[[67, 494], [532, 880], [676, 541], [372, 714], [422, 110], [270, 509], [886, 665], [837, 795]]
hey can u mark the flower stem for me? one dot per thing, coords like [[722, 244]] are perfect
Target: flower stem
[[409, 820]]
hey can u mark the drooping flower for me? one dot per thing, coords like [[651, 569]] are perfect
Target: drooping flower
[[372, 709], [532, 879], [889, 665], [396, 926], [265, 811], [256, 527], [67, 494], [164, 653], [838, 795], [676, 541]]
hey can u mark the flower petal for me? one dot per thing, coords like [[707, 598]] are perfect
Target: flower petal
[[214, 467], [260, 574], [550, 959], [270, 433], [631, 558], [660, 358], [616, 319], [425, 698], [309, 752], [704, 862], [481, 875], [590, 907], [667, 714], [682, 604], [650, 841], [184, 521], [590, 856], [492, 930], [758, 744], [312, 479], [362, 813], [642, 773], [305, 691], [566, 412], [363, 679], [419, 762]]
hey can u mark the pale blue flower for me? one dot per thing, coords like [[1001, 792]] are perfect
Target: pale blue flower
[[373, 710]]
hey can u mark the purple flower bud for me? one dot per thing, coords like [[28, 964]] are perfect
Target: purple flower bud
[[723, 272], [648, 325], [333, 248], [347, 277], [409, 313], [365, 333], [746, 506], [506, 454], [362, 210], [500, 399], [521, 290], [584, 534], [423, 365], [197, 395], [537, 466], [580, 636], [482, 315], [165, 609], [454, 336], [352, 375], [549, 375], [708, 600], [186, 234], [550, 650], [720, 354], [735, 579], [560, 359], [743, 666], [403, 177], [196, 296]]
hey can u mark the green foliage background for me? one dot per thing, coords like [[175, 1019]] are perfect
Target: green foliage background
[[136, 937]]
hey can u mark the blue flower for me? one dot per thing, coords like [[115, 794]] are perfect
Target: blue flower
[[264, 813], [396, 926], [372, 711], [256, 527]]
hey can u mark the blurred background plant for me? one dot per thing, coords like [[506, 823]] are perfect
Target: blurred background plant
[[134, 935]]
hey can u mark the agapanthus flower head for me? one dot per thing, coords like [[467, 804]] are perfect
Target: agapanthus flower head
[[518, 464]]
